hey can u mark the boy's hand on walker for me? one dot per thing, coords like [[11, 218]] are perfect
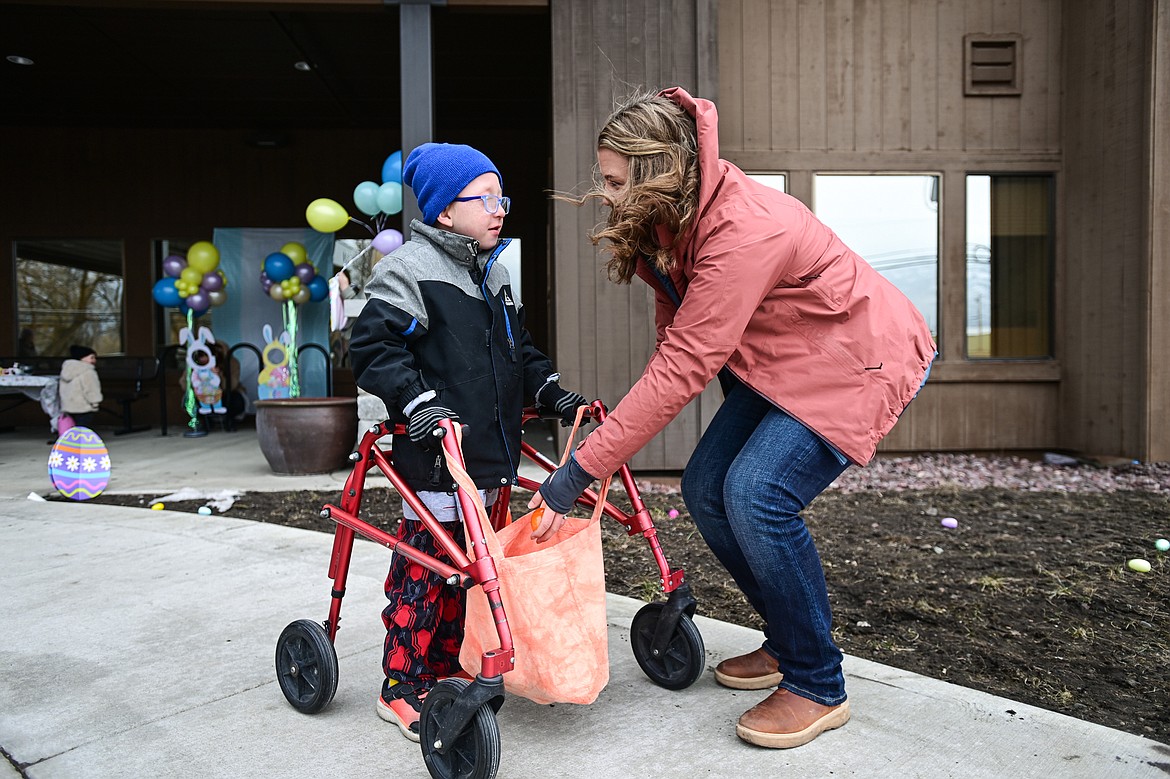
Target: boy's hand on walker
[[563, 402], [424, 422]]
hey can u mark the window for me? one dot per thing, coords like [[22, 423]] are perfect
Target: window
[[891, 221], [69, 292], [1009, 266], [774, 180]]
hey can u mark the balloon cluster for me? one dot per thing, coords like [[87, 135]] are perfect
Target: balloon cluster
[[288, 275], [192, 283], [376, 201]]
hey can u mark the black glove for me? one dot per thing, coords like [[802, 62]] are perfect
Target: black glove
[[564, 485], [561, 401], [424, 421]]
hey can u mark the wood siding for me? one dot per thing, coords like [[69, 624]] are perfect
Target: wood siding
[[1158, 351], [881, 76], [1106, 286], [602, 52]]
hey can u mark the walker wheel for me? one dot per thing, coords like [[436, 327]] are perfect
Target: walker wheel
[[681, 663], [476, 751], [306, 666]]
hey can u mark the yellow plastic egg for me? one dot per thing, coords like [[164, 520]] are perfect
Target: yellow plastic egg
[[157, 507], [1139, 565]]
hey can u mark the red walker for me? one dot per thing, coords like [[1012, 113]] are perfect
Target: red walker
[[458, 731]]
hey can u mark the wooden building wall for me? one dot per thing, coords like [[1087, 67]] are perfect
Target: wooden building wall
[[1158, 351], [814, 86], [1113, 282], [603, 51]]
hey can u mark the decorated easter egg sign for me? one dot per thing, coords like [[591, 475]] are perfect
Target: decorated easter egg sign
[[79, 464]]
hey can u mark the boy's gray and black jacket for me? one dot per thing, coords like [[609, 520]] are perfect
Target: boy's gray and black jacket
[[441, 316]]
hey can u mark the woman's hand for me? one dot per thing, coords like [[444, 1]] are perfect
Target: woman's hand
[[545, 521], [558, 494]]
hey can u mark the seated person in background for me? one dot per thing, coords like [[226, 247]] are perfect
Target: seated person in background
[[80, 389]]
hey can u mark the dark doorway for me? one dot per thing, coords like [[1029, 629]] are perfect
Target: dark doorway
[[137, 122], [493, 84]]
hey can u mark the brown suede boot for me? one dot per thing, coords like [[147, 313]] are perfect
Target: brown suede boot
[[784, 720], [754, 671]]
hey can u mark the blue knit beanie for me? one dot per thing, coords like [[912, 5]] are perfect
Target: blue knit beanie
[[438, 172]]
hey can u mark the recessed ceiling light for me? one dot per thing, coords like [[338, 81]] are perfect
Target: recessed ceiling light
[[16, 59], [303, 66]]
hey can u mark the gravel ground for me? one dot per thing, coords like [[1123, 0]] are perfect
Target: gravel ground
[[972, 472]]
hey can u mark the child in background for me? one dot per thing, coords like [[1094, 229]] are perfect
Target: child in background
[[80, 389], [442, 336]]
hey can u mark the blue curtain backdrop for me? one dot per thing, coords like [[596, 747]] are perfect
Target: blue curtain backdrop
[[248, 308]]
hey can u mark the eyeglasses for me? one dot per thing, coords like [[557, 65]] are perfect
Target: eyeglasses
[[491, 203]]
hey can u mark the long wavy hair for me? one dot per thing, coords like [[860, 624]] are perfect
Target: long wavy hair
[[658, 138]]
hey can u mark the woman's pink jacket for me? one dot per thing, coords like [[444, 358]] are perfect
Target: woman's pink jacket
[[773, 294]]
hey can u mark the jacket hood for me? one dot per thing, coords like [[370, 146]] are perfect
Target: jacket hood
[[707, 136], [71, 369]]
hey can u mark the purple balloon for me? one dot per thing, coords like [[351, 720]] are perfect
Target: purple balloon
[[265, 282], [173, 266], [212, 282], [198, 301], [387, 240], [305, 272]]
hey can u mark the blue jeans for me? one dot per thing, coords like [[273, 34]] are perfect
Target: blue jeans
[[752, 473]]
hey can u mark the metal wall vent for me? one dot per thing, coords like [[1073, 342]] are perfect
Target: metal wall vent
[[992, 64]]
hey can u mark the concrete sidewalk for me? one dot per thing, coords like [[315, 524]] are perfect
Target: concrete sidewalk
[[140, 644]]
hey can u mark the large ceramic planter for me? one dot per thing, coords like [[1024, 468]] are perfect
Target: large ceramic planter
[[300, 436]]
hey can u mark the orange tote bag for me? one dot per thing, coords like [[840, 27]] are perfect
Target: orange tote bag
[[554, 598]]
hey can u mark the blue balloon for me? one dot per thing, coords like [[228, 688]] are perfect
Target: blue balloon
[[390, 197], [392, 168], [279, 266], [318, 289], [165, 293], [365, 197]]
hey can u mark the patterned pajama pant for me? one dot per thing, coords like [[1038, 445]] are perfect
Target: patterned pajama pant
[[424, 620]]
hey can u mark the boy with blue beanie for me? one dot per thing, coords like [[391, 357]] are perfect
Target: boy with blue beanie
[[442, 336]]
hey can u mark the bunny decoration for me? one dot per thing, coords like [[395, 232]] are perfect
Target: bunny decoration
[[206, 382], [274, 378]]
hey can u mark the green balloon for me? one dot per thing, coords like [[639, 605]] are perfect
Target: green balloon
[[203, 257], [326, 216]]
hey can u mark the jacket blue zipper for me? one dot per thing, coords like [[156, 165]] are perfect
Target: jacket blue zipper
[[487, 268]]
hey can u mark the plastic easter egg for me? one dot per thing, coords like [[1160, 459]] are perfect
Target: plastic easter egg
[[157, 506], [1162, 545], [949, 522], [1139, 565], [673, 513], [79, 464], [204, 510]]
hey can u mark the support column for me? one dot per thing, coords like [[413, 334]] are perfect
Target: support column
[[1157, 422], [417, 86]]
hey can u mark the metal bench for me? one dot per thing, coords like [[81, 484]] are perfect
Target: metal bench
[[123, 382]]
